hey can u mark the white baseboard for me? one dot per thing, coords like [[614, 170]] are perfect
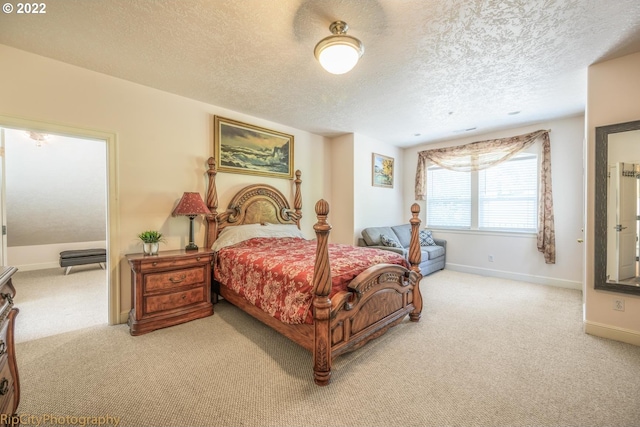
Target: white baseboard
[[612, 332], [124, 316], [40, 266], [540, 280]]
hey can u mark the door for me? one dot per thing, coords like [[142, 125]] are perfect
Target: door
[[626, 219]]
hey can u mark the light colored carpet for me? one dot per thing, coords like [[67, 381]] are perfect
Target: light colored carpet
[[487, 352], [51, 303]]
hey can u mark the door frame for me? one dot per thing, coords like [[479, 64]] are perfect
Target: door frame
[[626, 217], [113, 226]]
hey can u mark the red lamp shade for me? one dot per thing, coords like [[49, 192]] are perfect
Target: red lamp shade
[[191, 204]]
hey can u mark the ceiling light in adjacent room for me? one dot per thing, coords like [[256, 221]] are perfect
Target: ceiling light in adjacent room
[[339, 53], [39, 138]]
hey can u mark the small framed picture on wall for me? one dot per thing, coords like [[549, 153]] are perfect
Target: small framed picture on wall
[[382, 171]]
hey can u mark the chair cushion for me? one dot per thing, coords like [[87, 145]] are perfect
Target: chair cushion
[[431, 252], [403, 233], [371, 235]]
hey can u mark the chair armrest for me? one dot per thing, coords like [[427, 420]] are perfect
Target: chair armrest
[[441, 242]]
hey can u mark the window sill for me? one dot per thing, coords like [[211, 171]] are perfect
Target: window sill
[[521, 234]]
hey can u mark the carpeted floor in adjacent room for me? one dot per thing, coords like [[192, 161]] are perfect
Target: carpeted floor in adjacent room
[[51, 302]]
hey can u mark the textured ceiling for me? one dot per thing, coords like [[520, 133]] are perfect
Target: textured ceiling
[[430, 67]]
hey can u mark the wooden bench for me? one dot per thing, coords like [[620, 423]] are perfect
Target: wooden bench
[[82, 256]]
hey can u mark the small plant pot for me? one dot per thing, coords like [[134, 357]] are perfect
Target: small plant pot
[[150, 248]]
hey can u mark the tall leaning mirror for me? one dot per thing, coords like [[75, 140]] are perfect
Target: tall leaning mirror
[[617, 210]]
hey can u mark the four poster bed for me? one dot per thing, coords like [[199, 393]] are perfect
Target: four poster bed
[[334, 304]]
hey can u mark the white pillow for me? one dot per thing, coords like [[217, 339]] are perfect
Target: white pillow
[[238, 233], [285, 228]]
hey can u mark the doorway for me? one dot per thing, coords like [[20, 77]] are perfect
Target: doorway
[[55, 201], [107, 141]]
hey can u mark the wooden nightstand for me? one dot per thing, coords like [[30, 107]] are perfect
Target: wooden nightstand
[[169, 288]]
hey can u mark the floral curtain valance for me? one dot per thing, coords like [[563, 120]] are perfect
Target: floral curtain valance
[[483, 154]]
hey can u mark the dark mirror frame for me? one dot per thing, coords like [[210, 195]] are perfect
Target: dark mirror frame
[[600, 225]]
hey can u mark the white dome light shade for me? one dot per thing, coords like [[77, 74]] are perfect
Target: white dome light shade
[[339, 53]]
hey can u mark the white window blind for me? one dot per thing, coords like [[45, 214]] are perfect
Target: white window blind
[[500, 198], [508, 195], [448, 198]]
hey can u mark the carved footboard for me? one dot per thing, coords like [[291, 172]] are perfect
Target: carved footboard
[[377, 299]]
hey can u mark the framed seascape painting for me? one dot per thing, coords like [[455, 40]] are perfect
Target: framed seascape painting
[[382, 171], [244, 148]]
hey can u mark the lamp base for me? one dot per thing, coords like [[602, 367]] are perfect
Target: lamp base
[[191, 246]]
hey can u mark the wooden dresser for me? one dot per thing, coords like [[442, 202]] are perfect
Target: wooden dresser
[[169, 288], [9, 381]]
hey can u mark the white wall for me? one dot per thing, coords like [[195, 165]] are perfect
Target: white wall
[[356, 203], [341, 205], [612, 97], [516, 256], [163, 142], [377, 206]]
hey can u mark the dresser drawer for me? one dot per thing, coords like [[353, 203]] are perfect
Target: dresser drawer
[[6, 386], [156, 264], [154, 282], [4, 346], [159, 303], [9, 405]]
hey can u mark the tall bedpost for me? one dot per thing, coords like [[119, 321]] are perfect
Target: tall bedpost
[[415, 257], [212, 204], [297, 200], [321, 301]]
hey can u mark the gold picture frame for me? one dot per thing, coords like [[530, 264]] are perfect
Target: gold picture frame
[[253, 150], [382, 171]]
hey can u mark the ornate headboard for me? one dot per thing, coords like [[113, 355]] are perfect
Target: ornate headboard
[[257, 203]]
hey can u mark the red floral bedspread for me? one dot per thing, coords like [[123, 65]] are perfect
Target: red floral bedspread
[[276, 275]]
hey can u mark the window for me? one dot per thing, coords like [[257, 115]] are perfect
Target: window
[[448, 198], [500, 198]]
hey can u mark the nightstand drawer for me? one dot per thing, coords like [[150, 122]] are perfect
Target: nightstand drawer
[[156, 264], [159, 303], [154, 282]]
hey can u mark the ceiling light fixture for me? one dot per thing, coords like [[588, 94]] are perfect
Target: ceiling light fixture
[[39, 138], [339, 53]]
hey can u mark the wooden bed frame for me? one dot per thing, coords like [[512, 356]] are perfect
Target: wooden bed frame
[[375, 300]]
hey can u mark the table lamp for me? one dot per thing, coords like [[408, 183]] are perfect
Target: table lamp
[[191, 205]]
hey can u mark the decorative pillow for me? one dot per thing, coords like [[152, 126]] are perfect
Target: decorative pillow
[[426, 239], [389, 241]]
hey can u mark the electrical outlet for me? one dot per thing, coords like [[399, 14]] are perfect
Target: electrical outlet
[[490, 258], [618, 304]]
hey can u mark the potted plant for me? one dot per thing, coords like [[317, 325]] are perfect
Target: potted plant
[[150, 241]]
